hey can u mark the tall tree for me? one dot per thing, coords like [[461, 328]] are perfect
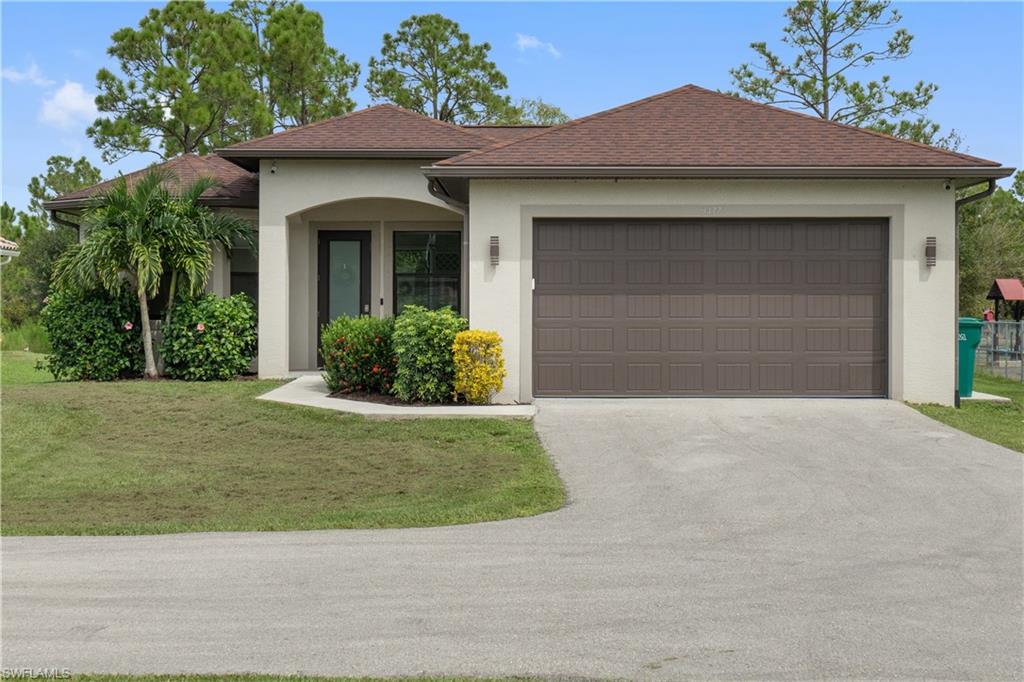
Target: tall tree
[[183, 92], [15, 225], [26, 279], [299, 77], [533, 112], [429, 65], [827, 44], [63, 175], [309, 80], [991, 244]]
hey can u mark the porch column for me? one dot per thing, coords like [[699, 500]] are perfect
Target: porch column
[[273, 291]]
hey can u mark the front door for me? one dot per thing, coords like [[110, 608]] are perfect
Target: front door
[[343, 276]]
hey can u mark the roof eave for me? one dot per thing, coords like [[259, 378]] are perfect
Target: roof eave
[[963, 174], [398, 153], [85, 202]]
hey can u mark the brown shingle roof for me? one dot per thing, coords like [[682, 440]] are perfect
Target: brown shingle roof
[[384, 128], [500, 133], [236, 187], [695, 127]]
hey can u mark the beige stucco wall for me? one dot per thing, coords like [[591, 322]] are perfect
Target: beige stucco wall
[[922, 299], [303, 197]]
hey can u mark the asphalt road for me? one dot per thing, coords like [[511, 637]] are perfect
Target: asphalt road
[[704, 539]]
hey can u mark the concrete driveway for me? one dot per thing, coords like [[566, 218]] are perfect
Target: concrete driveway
[[704, 538]]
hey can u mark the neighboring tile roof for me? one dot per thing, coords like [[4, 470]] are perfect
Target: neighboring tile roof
[[236, 186], [381, 128], [692, 126], [1007, 289], [8, 247]]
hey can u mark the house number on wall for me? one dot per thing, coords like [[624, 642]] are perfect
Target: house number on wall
[[713, 210]]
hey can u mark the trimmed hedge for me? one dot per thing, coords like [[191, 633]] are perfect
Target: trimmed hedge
[[423, 341], [93, 334], [357, 354], [210, 338]]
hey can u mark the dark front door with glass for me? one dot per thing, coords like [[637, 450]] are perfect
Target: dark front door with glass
[[343, 275], [428, 269]]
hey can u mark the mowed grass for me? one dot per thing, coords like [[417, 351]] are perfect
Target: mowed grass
[[1001, 423], [279, 678], [140, 457]]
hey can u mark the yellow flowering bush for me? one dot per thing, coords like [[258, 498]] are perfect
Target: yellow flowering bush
[[479, 365]]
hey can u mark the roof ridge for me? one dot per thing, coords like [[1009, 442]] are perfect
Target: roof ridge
[[190, 160], [383, 105], [468, 156], [563, 126], [848, 126], [508, 125], [437, 121], [307, 126]]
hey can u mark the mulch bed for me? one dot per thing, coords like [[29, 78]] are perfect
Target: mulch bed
[[383, 399]]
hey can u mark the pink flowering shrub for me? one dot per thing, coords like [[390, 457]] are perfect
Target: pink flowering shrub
[[210, 338], [93, 334]]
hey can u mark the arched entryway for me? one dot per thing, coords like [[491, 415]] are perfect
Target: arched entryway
[[368, 256]]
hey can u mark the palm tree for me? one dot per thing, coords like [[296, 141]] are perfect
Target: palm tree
[[138, 233], [195, 224]]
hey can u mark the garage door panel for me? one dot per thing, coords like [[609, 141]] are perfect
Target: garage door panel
[[766, 307]]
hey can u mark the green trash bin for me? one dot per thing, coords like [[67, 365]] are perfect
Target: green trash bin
[[967, 342]]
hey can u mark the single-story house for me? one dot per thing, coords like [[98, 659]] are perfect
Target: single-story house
[[686, 244]]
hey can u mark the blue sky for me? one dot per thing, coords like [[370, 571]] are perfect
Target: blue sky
[[582, 57]]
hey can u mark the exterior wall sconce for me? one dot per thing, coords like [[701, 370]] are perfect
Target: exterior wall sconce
[[494, 250], [929, 251]]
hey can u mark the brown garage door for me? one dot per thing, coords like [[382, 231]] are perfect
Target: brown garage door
[[710, 307]]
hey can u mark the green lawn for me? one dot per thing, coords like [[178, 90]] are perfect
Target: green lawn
[[1000, 423], [275, 678], [137, 457]]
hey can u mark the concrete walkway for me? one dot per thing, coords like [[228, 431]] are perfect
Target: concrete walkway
[[311, 391], [979, 397], [736, 539]]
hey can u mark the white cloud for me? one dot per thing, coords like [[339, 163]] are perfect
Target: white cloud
[[525, 42], [31, 75], [69, 105]]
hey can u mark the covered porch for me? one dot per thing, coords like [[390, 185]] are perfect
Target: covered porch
[[326, 252]]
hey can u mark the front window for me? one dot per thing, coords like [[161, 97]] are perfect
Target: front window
[[428, 269], [245, 269]]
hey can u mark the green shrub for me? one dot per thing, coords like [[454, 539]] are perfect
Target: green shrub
[[357, 354], [30, 335], [93, 334], [210, 338], [423, 347]]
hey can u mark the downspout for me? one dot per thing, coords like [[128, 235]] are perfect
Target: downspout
[[438, 191], [64, 222], [962, 201]]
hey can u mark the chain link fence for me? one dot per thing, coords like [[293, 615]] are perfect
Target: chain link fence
[[1000, 352]]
